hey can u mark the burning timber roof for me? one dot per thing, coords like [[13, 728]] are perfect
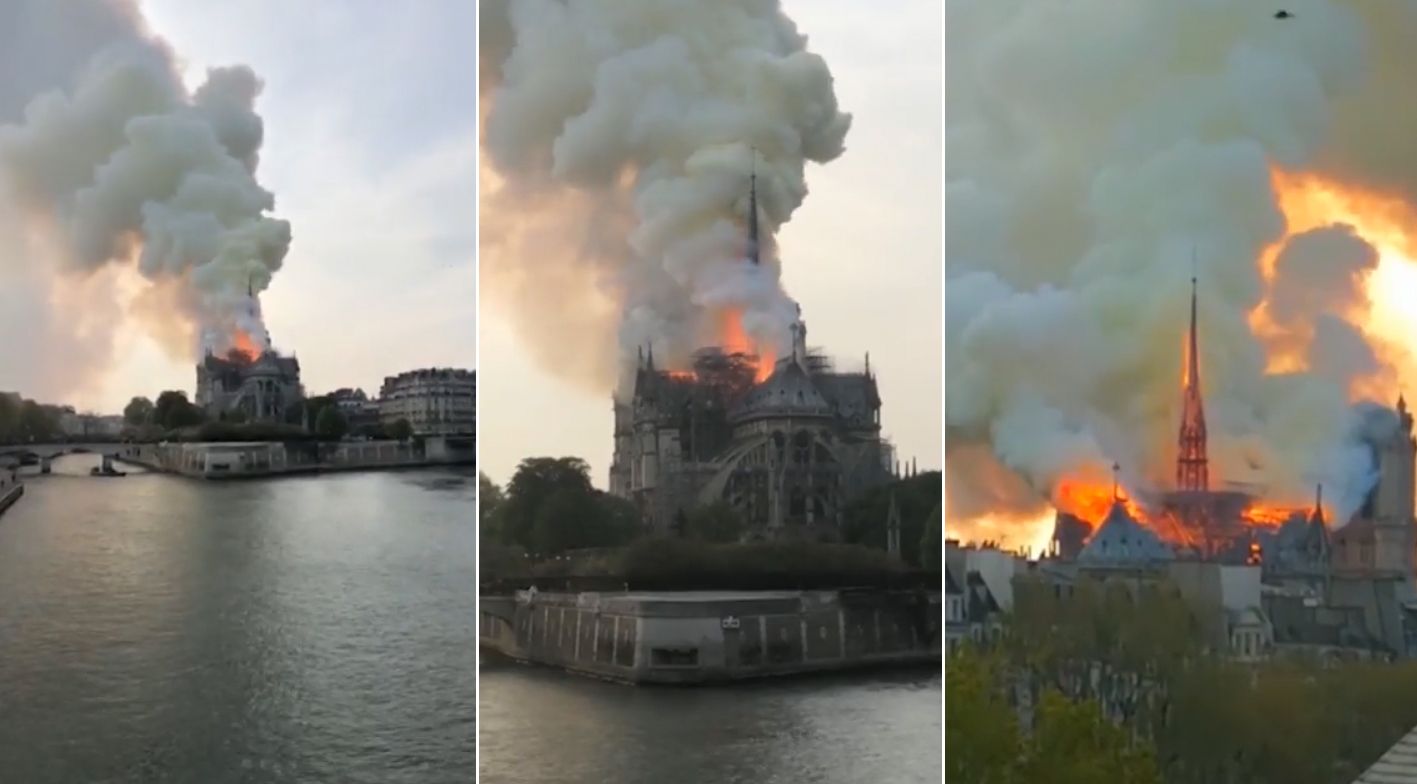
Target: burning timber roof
[[1122, 543], [1397, 766]]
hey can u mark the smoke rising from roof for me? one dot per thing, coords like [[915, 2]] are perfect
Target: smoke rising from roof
[[110, 161], [622, 135], [1093, 148]]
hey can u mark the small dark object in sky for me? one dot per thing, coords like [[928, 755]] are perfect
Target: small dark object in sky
[[1281, 14]]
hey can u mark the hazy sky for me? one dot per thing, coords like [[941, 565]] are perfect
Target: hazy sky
[[862, 255], [370, 150]]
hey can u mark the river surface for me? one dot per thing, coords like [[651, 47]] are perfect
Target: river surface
[[312, 629], [541, 726]]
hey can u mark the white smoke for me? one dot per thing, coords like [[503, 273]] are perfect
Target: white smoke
[[117, 163], [1094, 149], [623, 134]]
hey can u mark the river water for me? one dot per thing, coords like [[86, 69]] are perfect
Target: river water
[[540, 726], [312, 629]]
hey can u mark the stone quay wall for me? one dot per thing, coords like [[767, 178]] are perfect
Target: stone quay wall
[[696, 637], [11, 488], [262, 459]]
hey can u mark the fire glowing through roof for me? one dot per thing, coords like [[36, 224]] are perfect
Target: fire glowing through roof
[[1387, 317]]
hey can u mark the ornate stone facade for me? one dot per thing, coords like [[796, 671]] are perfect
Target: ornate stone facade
[[262, 388], [787, 454]]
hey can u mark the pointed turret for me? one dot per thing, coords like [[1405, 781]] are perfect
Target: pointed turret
[[893, 528], [1192, 471]]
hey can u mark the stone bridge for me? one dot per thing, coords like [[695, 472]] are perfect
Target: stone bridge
[[44, 454]]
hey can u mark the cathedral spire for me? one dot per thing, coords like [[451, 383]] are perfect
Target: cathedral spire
[[1192, 471], [753, 211]]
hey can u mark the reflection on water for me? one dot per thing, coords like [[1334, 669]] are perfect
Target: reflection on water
[[303, 629], [540, 726]]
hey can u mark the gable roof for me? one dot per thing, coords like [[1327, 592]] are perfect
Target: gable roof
[[1122, 542]]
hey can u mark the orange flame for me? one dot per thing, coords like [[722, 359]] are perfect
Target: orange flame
[[735, 340], [1387, 317], [1090, 503], [244, 345]]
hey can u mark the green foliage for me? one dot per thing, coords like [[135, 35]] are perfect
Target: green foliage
[[916, 497], [331, 425], [982, 742], [253, 431], [717, 522], [680, 564], [139, 411], [1212, 719], [37, 423], [1073, 743], [1143, 626], [173, 411], [489, 497], [550, 507], [401, 429]]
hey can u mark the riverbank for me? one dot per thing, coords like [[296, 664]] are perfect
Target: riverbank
[[704, 637], [11, 488], [256, 459]]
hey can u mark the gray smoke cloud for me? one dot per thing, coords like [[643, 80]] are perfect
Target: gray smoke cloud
[[1094, 149], [109, 160], [622, 135]]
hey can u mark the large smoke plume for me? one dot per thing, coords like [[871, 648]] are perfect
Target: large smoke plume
[[1094, 149], [622, 135], [109, 160]]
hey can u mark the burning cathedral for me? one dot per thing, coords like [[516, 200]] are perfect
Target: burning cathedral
[[252, 379], [1194, 520], [786, 452]]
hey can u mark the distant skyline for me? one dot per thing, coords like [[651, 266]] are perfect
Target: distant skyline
[[863, 255], [370, 150]]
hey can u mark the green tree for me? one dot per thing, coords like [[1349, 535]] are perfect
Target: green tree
[[1073, 743], [9, 417], [139, 411], [331, 424], [717, 522], [36, 424], [550, 507], [489, 497], [401, 429], [865, 518], [172, 410], [981, 730]]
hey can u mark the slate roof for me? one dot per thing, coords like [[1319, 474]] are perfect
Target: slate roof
[[787, 392], [951, 585], [1397, 766], [1123, 543]]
